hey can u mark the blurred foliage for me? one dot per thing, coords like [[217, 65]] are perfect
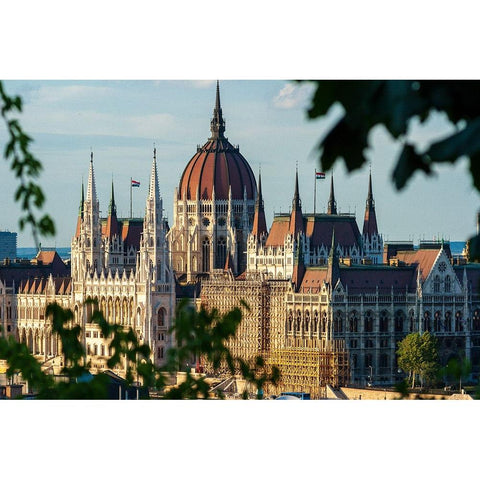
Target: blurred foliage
[[26, 168], [457, 370], [418, 355], [393, 104], [199, 334]]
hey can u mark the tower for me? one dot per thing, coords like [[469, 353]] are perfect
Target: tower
[[153, 245], [372, 241], [214, 206], [86, 246]]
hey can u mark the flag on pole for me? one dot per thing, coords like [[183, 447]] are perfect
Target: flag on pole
[[135, 183], [319, 175]]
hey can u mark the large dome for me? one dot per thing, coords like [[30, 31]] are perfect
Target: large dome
[[218, 164]]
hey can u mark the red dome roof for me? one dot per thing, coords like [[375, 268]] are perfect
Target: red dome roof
[[217, 164]]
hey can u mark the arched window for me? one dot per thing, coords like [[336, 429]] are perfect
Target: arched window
[[448, 284], [368, 322], [436, 284], [315, 322], [338, 322], [290, 321], [476, 320], [458, 322], [206, 254], [448, 321], [427, 322], [436, 321], [383, 321], [324, 322], [307, 321], [411, 316], [221, 252], [161, 318], [353, 322], [399, 321], [298, 321]]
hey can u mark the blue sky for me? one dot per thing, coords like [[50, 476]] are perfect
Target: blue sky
[[122, 120]]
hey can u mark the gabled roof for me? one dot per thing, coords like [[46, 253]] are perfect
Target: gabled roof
[[320, 229], [421, 258], [366, 279]]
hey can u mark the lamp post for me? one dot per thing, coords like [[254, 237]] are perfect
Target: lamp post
[[371, 375]]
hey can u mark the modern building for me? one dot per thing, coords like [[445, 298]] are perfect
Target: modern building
[[8, 245]]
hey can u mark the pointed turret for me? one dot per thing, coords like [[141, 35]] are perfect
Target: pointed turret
[[332, 203], [259, 221], [80, 213], [112, 221], [217, 124], [153, 190], [91, 189], [333, 269], [370, 222], [296, 217]]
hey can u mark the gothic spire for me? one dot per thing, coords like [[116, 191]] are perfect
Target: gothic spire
[[296, 217], [91, 189], [217, 124], [80, 214], [332, 204], [153, 190], [370, 220], [112, 208], [112, 222], [259, 221], [82, 199]]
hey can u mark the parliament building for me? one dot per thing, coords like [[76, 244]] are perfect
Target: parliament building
[[328, 302]]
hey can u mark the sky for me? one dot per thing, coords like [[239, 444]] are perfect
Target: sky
[[122, 120]]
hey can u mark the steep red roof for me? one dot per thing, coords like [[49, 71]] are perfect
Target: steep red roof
[[278, 231], [423, 258], [313, 279]]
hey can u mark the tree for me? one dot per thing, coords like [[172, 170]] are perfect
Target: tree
[[458, 369], [393, 104], [418, 355]]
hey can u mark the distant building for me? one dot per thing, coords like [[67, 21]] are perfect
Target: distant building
[[8, 245]]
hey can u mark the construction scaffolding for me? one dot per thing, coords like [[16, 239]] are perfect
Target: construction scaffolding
[[309, 369]]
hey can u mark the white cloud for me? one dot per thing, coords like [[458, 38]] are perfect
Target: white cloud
[[202, 83], [292, 96]]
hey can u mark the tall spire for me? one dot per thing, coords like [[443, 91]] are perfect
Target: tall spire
[[217, 124], [370, 220], [112, 222], [332, 204], [80, 213], [259, 221], [296, 217], [91, 189], [82, 200], [153, 190], [112, 208]]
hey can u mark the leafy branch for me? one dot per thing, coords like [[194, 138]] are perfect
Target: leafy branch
[[198, 334], [26, 168]]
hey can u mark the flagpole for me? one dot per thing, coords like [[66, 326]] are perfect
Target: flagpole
[[315, 192], [130, 197]]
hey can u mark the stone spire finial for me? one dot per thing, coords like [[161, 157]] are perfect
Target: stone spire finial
[[217, 124], [332, 203], [91, 189]]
